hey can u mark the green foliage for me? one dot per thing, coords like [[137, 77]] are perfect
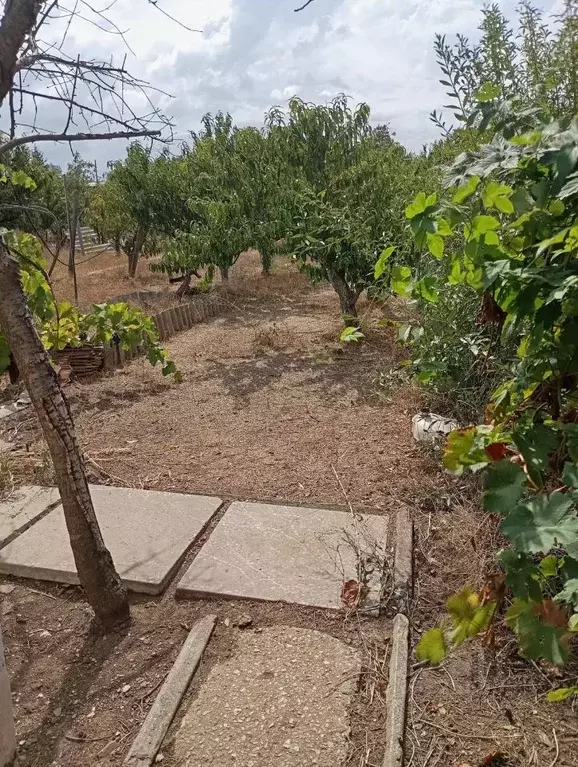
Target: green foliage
[[432, 646], [512, 239], [535, 63], [351, 334]]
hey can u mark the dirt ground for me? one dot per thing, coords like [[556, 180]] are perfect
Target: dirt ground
[[103, 276], [272, 407]]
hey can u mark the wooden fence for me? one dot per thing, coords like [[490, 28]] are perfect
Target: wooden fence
[[168, 323]]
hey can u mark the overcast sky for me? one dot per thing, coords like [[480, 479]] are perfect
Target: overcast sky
[[251, 54]]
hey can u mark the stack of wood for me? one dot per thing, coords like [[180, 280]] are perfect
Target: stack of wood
[[84, 360]]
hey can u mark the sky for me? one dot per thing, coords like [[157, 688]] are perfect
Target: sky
[[252, 54]]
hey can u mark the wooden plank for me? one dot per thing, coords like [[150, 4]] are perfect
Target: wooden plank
[[154, 728]]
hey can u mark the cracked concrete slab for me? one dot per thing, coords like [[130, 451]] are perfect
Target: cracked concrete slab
[[289, 554], [23, 507], [147, 533], [282, 698]]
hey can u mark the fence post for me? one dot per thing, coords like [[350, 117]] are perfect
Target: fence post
[[168, 320]]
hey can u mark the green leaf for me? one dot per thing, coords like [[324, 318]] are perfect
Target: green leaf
[[467, 190], [426, 289], [20, 178], [562, 693], [570, 475], [382, 261], [573, 623], [498, 196], [536, 445], [549, 566], [505, 483], [488, 92], [401, 281], [484, 224], [462, 449], [420, 204], [456, 275], [468, 615], [522, 575], [571, 432], [569, 593], [435, 244], [537, 638], [351, 335], [432, 646], [539, 524]]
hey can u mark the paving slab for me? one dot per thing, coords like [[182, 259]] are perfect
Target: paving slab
[[288, 554], [282, 698], [147, 533], [22, 508]]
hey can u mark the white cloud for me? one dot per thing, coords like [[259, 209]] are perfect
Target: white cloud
[[254, 53]]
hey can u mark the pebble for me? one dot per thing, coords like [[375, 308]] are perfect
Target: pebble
[[6, 588]]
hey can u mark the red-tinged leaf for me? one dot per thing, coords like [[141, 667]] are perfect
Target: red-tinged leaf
[[498, 450], [350, 593]]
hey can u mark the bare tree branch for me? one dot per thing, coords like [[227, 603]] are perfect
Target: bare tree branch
[[302, 8], [32, 139], [172, 18]]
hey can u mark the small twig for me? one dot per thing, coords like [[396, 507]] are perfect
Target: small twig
[[302, 8], [464, 736], [75, 739], [42, 593], [552, 763]]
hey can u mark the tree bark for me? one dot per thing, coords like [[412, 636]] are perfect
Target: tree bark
[[7, 731], [98, 577], [224, 270], [347, 296], [13, 372], [117, 244], [58, 242], [134, 255]]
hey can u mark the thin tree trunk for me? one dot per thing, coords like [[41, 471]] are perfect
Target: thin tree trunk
[[347, 296], [117, 244], [7, 732], [58, 240], [98, 577], [133, 256], [224, 270], [185, 285]]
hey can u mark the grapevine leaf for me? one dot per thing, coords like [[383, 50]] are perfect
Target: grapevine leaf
[[549, 566], [521, 574], [467, 190], [569, 593], [537, 638], [570, 475], [432, 646], [571, 431], [461, 450], [426, 289], [536, 445], [504, 486], [541, 522], [498, 196]]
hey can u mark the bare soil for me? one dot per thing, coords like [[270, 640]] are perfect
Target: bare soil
[[272, 407]]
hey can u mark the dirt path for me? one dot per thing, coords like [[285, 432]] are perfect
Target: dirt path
[[271, 407]]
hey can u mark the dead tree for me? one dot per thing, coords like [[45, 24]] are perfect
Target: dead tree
[[95, 105]]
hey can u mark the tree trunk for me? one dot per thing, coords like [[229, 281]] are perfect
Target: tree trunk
[[224, 270], [98, 577], [7, 732], [347, 295], [13, 372], [58, 241], [117, 244], [185, 285], [266, 263], [133, 256]]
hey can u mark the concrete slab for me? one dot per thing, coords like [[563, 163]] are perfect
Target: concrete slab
[[147, 532], [282, 698], [22, 508], [288, 554]]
